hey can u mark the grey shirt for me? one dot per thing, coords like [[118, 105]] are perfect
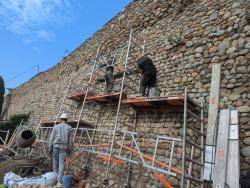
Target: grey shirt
[[61, 136]]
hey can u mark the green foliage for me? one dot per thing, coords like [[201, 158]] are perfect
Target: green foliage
[[16, 119], [11, 125]]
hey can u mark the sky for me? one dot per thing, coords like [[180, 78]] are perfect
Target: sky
[[42, 32]]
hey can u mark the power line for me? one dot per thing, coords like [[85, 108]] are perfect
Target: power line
[[21, 74]]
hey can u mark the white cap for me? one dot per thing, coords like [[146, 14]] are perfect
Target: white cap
[[64, 116]]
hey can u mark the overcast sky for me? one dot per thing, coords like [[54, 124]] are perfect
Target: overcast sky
[[41, 32]]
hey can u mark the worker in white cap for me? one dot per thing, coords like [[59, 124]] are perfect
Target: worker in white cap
[[60, 144]]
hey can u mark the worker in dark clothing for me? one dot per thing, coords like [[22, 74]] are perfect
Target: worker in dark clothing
[[109, 77], [148, 74]]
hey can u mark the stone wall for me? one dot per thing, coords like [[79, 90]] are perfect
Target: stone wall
[[207, 31]]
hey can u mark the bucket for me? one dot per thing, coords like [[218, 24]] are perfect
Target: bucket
[[67, 181]]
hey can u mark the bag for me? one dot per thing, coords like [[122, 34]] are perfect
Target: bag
[[48, 179], [10, 179]]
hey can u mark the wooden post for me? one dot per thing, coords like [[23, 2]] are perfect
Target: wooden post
[[233, 164], [212, 122], [220, 167]]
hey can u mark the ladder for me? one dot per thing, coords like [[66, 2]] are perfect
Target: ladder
[[198, 128]]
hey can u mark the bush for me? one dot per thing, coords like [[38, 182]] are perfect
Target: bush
[[11, 125], [16, 119]]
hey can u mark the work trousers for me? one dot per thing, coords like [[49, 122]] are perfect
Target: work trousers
[[148, 80], [58, 161], [109, 81]]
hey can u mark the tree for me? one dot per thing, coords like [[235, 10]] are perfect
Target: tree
[[2, 91]]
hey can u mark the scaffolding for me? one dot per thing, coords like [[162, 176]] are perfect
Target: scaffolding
[[120, 144], [109, 145], [127, 143]]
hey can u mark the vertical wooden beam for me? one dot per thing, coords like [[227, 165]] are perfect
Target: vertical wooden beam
[[220, 167], [212, 121], [233, 164], [213, 105]]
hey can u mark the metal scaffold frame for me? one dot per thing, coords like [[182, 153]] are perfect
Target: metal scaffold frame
[[112, 134], [103, 144], [111, 145]]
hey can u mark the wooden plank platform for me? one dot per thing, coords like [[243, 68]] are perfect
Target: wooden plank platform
[[71, 122], [79, 97], [171, 103], [106, 98]]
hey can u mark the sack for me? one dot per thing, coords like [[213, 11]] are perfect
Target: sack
[[48, 179], [10, 179]]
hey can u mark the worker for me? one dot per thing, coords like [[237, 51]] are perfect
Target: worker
[[109, 77], [60, 144], [148, 74]]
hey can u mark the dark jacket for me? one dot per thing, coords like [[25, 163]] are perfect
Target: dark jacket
[[146, 65]]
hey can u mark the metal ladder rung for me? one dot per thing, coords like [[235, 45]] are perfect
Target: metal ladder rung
[[194, 115], [125, 124], [195, 103], [195, 130], [193, 178], [193, 161], [128, 115], [195, 145], [136, 42]]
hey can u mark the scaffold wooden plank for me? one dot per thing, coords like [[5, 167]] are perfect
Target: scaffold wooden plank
[[212, 122], [73, 123], [105, 98], [233, 164], [220, 167]]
